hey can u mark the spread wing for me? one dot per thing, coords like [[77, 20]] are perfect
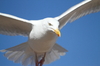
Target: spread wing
[[79, 10], [12, 25]]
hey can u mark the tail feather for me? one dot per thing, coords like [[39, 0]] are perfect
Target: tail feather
[[24, 59], [59, 48], [20, 47], [32, 61], [28, 59], [18, 57], [12, 55], [24, 54], [54, 54], [26, 62], [20, 54], [8, 53]]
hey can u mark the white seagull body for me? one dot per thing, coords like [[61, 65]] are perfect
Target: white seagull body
[[41, 46]]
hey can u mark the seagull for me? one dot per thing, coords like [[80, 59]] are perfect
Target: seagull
[[41, 47]]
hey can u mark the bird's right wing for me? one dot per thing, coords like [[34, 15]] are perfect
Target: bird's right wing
[[77, 11], [12, 25]]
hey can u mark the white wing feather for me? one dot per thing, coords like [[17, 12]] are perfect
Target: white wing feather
[[12, 25], [79, 10]]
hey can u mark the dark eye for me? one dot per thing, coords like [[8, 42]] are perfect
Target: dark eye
[[50, 24]]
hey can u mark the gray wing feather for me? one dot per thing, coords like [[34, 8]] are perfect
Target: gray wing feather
[[79, 10], [12, 25]]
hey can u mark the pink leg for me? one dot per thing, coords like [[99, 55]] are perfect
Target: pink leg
[[42, 60]]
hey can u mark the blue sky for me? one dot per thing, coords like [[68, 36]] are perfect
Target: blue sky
[[81, 38]]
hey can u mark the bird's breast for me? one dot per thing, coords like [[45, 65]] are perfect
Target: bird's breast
[[44, 43]]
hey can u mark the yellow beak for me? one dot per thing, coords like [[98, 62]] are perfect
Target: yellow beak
[[57, 32]]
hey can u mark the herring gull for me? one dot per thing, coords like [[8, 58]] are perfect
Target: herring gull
[[41, 47]]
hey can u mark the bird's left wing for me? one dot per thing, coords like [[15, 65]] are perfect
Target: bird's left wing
[[12, 25], [79, 10]]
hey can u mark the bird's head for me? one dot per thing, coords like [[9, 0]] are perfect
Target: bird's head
[[52, 25]]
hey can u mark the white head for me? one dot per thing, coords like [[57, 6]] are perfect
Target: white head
[[52, 25]]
